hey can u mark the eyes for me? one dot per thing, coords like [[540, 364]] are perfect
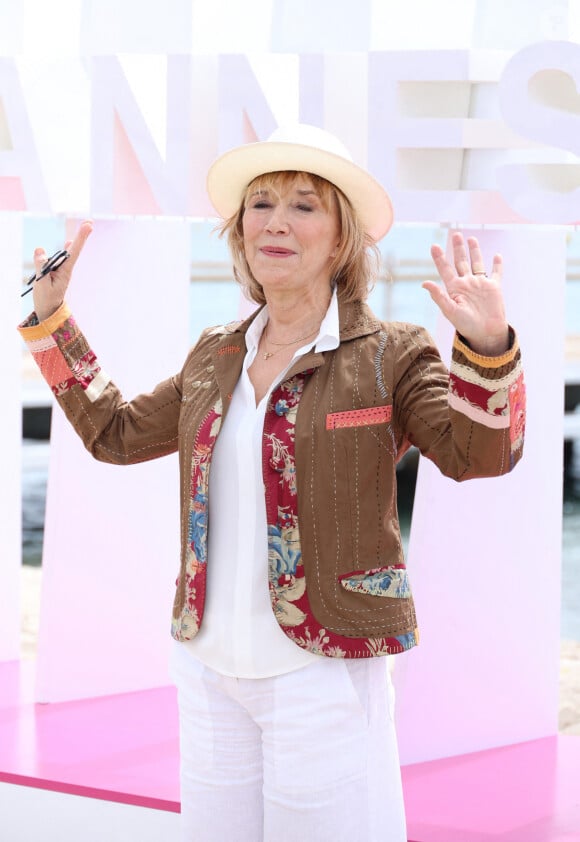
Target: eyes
[[265, 204]]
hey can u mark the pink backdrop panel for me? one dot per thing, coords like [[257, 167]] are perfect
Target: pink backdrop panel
[[10, 436], [111, 550], [485, 555]]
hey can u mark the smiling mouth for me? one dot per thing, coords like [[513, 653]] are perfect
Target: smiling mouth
[[273, 251]]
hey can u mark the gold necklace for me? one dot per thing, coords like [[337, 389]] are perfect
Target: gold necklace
[[267, 354]]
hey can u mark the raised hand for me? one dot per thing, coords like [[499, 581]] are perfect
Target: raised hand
[[470, 298], [49, 291]]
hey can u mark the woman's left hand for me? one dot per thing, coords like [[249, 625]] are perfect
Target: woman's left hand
[[471, 299]]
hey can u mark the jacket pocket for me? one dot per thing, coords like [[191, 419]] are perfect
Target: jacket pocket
[[391, 581], [359, 417]]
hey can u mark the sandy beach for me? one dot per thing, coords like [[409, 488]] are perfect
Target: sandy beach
[[569, 713]]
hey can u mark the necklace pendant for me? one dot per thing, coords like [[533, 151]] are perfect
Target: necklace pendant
[[267, 355]]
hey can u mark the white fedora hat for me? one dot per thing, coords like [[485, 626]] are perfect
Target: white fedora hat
[[301, 148]]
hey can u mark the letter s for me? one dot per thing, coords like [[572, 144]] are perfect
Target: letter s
[[539, 99]]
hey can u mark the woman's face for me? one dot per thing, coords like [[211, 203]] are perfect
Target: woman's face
[[290, 239]]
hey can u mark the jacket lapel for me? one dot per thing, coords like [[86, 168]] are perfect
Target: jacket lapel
[[228, 358], [355, 320]]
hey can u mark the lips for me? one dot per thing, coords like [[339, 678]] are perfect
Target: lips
[[276, 251]]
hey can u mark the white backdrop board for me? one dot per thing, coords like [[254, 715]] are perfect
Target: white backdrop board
[[111, 548], [10, 436], [485, 555]]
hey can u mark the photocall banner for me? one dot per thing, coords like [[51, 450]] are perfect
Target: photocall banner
[[470, 136]]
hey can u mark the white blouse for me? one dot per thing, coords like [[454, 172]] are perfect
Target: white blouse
[[239, 635]]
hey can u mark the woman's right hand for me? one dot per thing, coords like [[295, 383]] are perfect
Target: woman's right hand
[[49, 292]]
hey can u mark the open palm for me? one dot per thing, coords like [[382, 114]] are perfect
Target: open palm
[[471, 299]]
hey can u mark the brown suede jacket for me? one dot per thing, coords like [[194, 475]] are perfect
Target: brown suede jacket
[[334, 431]]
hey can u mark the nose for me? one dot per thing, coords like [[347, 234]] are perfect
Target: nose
[[277, 221]]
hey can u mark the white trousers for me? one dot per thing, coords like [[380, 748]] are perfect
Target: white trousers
[[307, 756]]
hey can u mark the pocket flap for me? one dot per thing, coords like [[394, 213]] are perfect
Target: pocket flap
[[380, 581]]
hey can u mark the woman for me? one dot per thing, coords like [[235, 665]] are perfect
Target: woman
[[292, 578]]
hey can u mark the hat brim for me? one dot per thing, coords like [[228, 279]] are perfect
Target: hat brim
[[230, 174]]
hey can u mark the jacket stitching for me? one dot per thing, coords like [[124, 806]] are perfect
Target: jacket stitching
[[357, 351], [378, 362]]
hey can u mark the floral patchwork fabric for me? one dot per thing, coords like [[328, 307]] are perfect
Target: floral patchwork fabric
[[517, 401], [286, 577], [490, 391], [63, 356], [380, 581], [188, 623]]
